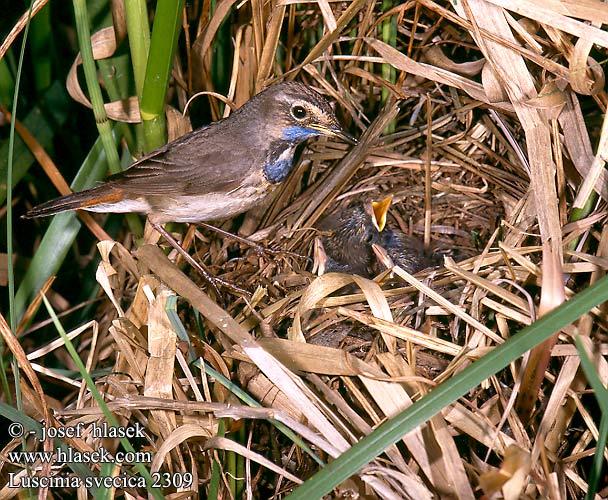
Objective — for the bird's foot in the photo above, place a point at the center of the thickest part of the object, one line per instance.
(260, 250)
(214, 281)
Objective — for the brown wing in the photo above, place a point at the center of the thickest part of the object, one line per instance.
(211, 159)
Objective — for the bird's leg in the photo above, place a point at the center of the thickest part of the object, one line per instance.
(214, 281)
(259, 249)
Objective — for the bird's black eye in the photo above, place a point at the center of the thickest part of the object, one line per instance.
(298, 112)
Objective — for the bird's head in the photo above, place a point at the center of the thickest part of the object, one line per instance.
(296, 112)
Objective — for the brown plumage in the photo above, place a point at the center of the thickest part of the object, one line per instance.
(217, 171)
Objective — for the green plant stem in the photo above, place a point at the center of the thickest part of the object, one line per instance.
(389, 36)
(9, 236)
(231, 469)
(139, 40)
(165, 34)
(104, 127)
(136, 12)
(90, 73)
(214, 483)
(117, 89)
(9, 224)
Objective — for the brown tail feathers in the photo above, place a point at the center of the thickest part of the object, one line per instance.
(73, 201)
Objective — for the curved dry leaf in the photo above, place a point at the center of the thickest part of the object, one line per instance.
(107, 277)
(174, 439)
(178, 124)
(375, 298)
(320, 288)
(491, 84)
(580, 67)
(511, 478)
(549, 13)
(436, 57)
(529, 25)
(551, 100)
(103, 44)
(229, 445)
(106, 247)
(379, 307)
(400, 61)
(299, 356)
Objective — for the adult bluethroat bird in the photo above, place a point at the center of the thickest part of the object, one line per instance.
(218, 171)
(357, 240)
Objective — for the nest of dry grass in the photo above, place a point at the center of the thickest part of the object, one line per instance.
(486, 140)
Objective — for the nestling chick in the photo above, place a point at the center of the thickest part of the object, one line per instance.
(349, 236)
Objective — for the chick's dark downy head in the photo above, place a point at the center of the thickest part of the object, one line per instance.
(352, 237)
(347, 238)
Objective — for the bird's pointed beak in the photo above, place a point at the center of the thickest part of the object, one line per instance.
(335, 130)
(380, 209)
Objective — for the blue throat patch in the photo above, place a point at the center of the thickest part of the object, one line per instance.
(297, 134)
(279, 161)
(277, 171)
(280, 157)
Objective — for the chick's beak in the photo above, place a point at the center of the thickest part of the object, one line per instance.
(380, 210)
